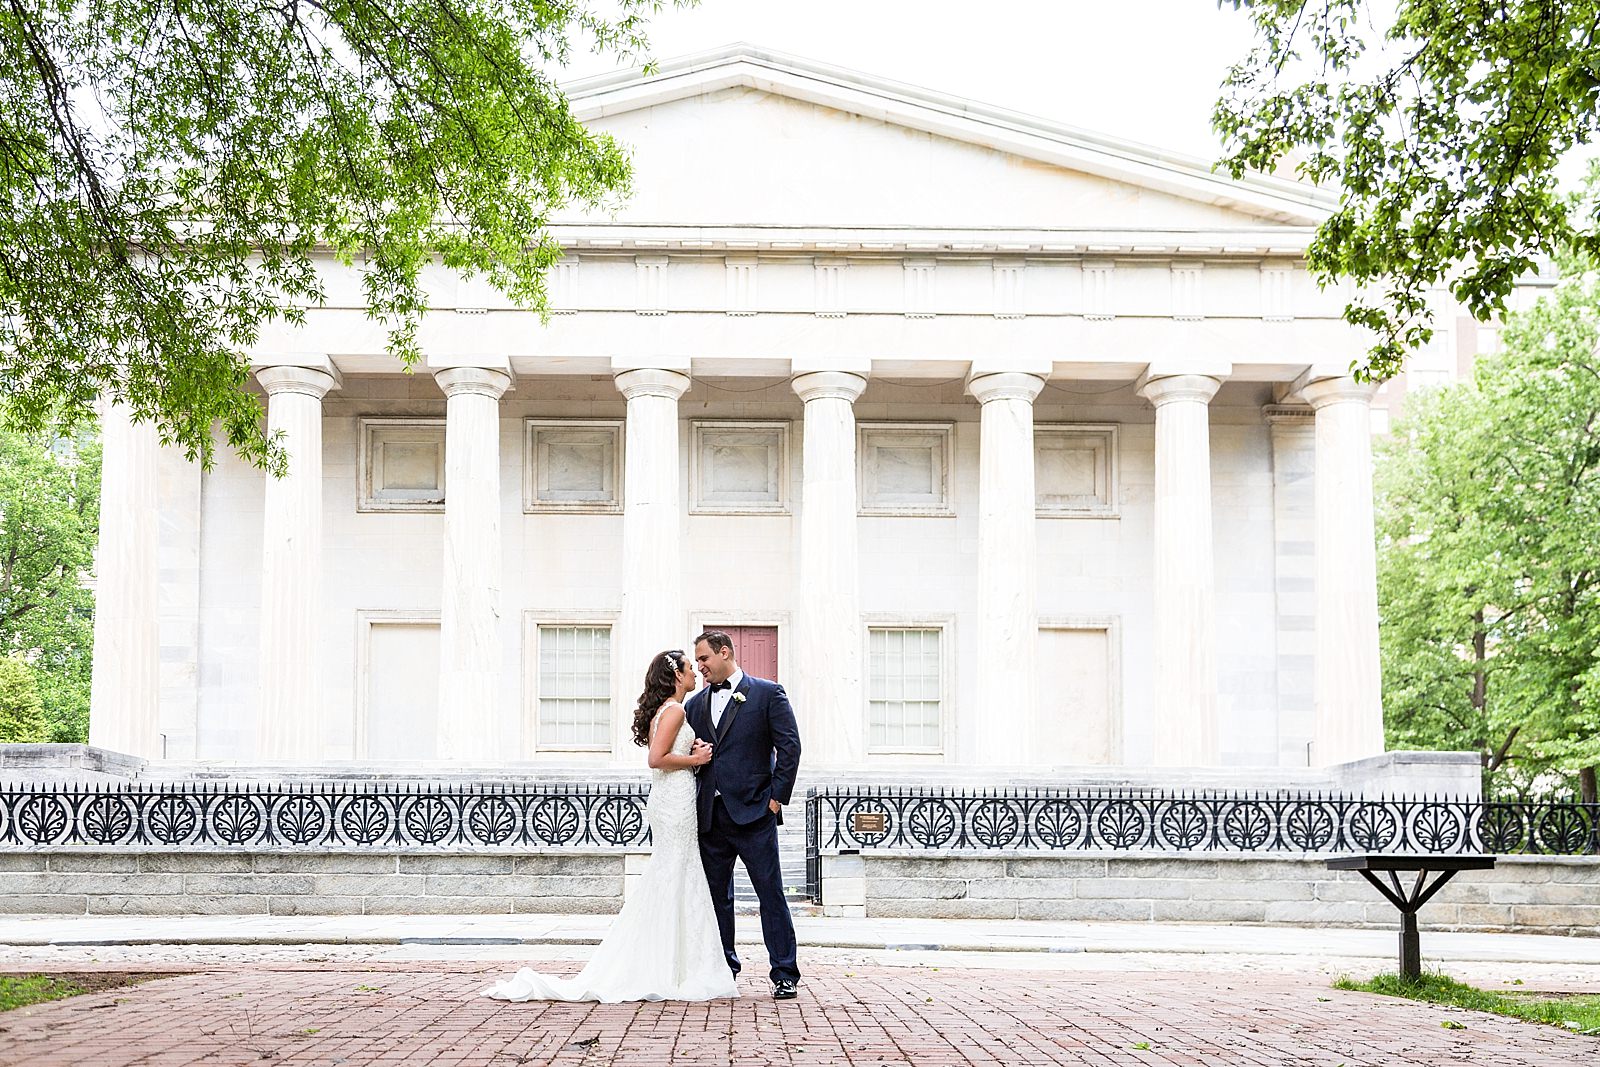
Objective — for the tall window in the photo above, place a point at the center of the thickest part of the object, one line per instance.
(574, 687)
(904, 689)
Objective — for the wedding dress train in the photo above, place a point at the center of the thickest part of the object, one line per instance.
(664, 944)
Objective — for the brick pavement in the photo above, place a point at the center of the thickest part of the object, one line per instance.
(428, 1013)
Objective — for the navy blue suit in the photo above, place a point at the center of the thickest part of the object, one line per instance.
(755, 758)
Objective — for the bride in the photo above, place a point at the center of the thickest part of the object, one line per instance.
(664, 944)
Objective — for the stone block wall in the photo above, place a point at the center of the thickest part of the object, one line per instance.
(1525, 894)
(261, 883)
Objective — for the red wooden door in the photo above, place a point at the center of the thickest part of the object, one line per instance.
(756, 649)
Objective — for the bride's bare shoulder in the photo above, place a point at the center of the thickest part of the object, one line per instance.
(671, 713)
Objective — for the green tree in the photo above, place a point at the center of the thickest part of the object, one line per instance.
(1438, 587)
(1440, 124)
(172, 172)
(1489, 569)
(21, 714)
(49, 519)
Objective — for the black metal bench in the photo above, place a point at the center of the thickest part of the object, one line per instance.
(1421, 891)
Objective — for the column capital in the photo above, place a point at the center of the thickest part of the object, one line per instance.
(1341, 390)
(307, 381)
(652, 382)
(828, 384)
(1005, 385)
(1174, 388)
(473, 381)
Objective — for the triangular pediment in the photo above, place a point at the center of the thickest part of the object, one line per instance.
(746, 138)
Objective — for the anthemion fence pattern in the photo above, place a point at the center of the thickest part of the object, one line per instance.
(324, 816)
(885, 818)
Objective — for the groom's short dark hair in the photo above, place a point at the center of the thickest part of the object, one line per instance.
(716, 640)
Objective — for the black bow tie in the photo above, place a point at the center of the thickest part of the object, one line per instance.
(717, 687)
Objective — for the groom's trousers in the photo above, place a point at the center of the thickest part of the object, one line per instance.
(756, 846)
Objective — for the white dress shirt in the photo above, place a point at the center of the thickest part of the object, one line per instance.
(719, 699)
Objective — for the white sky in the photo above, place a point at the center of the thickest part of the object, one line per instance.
(1146, 70)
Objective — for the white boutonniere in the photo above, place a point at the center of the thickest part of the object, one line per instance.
(738, 698)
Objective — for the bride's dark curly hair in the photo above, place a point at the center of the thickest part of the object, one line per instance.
(660, 683)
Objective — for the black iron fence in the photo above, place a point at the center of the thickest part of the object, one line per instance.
(333, 816)
(870, 818)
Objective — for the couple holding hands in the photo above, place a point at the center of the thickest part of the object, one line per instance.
(723, 763)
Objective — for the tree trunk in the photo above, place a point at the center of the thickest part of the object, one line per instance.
(1498, 757)
(1587, 791)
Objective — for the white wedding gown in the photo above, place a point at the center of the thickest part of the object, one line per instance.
(664, 944)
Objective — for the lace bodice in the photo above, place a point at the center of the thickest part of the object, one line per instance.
(680, 747)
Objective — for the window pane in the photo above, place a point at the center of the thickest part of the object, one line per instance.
(574, 686)
(904, 679)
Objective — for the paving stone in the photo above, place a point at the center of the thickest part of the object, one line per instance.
(425, 1014)
(1223, 911)
(1057, 868)
(918, 888)
(1318, 912)
(566, 905)
(553, 864)
(1131, 888)
(177, 904)
(1186, 868)
(140, 884)
(43, 904)
(323, 863)
(525, 885)
(455, 864)
(73, 862)
(367, 885)
(473, 905)
(317, 904)
(934, 867)
(940, 909)
(247, 883)
(196, 863)
(1092, 910)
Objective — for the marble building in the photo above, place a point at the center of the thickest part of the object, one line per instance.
(1002, 444)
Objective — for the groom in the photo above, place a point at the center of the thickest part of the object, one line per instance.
(751, 728)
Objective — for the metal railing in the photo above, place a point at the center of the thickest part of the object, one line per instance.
(1048, 820)
(324, 816)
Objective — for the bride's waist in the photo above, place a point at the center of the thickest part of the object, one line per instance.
(673, 777)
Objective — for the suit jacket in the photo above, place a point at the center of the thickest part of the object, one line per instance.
(756, 751)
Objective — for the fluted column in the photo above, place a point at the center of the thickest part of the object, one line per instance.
(469, 615)
(652, 562)
(125, 686)
(1008, 618)
(1184, 573)
(828, 627)
(1347, 689)
(291, 714)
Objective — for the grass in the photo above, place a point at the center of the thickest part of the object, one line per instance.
(18, 991)
(22, 990)
(1577, 1013)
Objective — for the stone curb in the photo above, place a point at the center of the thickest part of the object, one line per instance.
(864, 944)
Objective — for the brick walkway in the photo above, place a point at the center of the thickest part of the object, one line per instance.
(871, 1017)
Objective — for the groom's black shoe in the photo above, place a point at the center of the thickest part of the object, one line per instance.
(783, 990)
